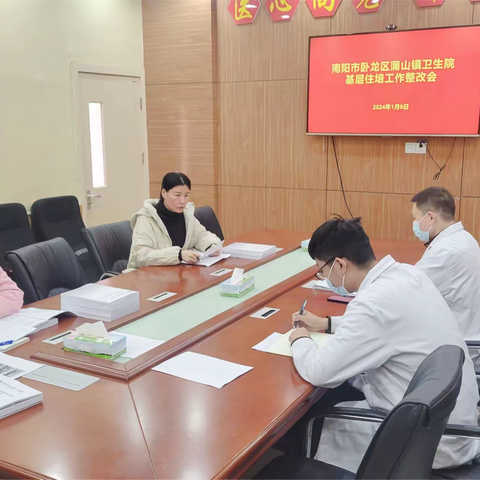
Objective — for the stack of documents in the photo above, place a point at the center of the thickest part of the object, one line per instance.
(251, 251)
(15, 397)
(99, 302)
(35, 318)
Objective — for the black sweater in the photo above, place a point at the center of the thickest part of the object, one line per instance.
(174, 223)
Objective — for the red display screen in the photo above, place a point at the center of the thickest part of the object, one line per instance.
(420, 82)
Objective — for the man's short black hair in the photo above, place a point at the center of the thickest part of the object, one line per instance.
(340, 238)
(436, 199)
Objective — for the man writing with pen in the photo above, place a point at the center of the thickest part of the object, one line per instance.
(396, 320)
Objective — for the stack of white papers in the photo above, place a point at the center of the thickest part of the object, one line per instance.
(15, 397)
(202, 369)
(99, 302)
(251, 251)
(36, 318)
(282, 344)
(14, 367)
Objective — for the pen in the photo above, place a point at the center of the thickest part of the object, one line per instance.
(300, 313)
(2, 344)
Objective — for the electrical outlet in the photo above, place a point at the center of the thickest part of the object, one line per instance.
(410, 147)
(421, 147)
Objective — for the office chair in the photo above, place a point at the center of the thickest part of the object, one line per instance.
(109, 246)
(206, 216)
(46, 269)
(15, 230)
(404, 445)
(60, 217)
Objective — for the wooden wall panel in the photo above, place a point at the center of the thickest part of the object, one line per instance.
(373, 164)
(265, 50)
(177, 41)
(383, 215)
(471, 168)
(242, 133)
(181, 131)
(201, 194)
(293, 159)
(404, 14)
(476, 14)
(470, 215)
(243, 209)
(263, 140)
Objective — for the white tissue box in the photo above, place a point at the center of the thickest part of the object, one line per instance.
(304, 245)
(109, 348)
(239, 289)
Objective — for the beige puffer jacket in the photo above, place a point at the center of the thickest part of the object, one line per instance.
(151, 243)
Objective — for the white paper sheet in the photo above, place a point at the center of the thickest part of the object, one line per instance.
(161, 296)
(266, 312)
(11, 331)
(264, 345)
(317, 285)
(16, 395)
(137, 346)
(209, 261)
(202, 369)
(282, 345)
(14, 367)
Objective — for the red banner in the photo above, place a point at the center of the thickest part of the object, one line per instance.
(323, 8)
(367, 6)
(282, 10)
(244, 11)
(429, 3)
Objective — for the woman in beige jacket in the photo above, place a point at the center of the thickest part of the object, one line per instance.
(165, 231)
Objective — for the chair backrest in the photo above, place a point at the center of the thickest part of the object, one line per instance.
(58, 217)
(206, 216)
(405, 444)
(15, 230)
(46, 269)
(109, 246)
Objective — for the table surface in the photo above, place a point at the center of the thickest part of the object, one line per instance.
(158, 426)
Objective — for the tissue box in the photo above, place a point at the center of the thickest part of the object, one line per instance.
(304, 245)
(237, 290)
(109, 348)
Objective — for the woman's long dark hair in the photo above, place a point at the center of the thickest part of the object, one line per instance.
(174, 179)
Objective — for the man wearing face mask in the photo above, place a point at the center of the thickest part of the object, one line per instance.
(396, 320)
(452, 259)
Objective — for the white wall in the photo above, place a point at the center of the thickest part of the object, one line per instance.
(38, 40)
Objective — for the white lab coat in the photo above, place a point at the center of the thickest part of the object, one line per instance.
(397, 318)
(452, 261)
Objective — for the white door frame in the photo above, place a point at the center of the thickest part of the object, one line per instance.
(75, 70)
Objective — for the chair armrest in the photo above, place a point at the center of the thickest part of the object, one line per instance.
(465, 431)
(473, 343)
(108, 275)
(343, 413)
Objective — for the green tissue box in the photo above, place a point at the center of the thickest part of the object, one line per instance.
(239, 289)
(108, 348)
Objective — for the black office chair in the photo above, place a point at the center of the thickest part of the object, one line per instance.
(46, 269)
(60, 217)
(206, 216)
(15, 230)
(404, 446)
(109, 246)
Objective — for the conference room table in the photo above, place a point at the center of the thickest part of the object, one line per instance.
(146, 424)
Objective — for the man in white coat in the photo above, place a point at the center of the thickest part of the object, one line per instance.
(452, 259)
(396, 320)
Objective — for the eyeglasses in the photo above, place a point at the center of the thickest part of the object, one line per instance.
(319, 275)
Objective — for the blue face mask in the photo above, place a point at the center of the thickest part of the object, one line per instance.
(338, 290)
(423, 236)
